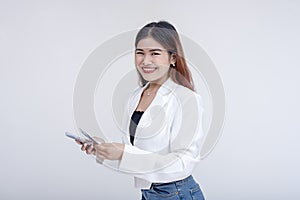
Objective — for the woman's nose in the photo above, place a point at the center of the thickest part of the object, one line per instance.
(147, 60)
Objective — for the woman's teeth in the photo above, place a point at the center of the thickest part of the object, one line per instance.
(149, 69)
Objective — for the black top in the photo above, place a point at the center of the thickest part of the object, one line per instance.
(135, 118)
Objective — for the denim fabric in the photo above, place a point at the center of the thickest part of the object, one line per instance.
(186, 189)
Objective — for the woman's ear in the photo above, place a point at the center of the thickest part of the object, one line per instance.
(173, 58)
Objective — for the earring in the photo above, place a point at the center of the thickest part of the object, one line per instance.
(173, 65)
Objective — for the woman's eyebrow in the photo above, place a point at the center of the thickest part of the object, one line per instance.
(150, 50)
(155, 50)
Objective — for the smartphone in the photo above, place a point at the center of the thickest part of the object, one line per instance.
(76, 137)
(88, 136)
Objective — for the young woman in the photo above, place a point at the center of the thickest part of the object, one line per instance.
(163, 119)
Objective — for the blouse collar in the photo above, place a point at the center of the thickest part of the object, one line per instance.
(167, 87)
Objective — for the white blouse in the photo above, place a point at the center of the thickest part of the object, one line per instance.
(168, 137)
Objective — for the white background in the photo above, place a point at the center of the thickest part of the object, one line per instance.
(254, 44)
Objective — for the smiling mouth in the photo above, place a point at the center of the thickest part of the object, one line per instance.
(148, 70)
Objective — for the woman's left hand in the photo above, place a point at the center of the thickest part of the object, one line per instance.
(109, 151)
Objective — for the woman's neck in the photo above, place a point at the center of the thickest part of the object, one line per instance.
(154, 85)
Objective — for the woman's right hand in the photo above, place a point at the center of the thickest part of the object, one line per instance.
(86, 146)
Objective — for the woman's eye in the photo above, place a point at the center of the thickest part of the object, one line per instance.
(156, 54)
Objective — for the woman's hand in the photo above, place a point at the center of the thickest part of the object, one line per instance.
(109, 151)
(86, 146)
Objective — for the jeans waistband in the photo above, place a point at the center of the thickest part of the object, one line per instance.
(179, 182)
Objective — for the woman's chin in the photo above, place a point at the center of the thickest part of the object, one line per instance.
(149, 77)
(159, 80)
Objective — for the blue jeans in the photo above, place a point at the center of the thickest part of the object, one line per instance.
(185, 189)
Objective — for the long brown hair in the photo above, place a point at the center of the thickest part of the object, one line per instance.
(165, 34)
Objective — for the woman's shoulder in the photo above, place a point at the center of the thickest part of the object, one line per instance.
(185, 93)
(184, 96)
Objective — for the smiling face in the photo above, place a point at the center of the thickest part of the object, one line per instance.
(152, 60)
